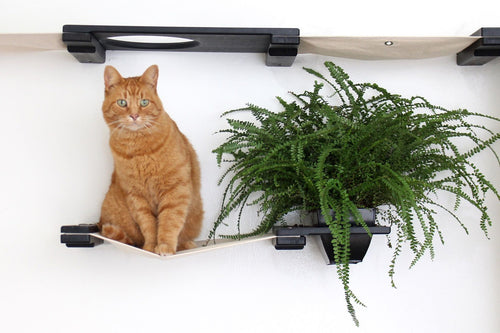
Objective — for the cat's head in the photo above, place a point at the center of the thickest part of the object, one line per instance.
(131, 104)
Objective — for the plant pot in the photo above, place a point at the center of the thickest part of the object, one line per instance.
(368, 215)
(359, 240)
(293, 237)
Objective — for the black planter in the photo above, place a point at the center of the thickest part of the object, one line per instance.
(368, 214)
(293, 238)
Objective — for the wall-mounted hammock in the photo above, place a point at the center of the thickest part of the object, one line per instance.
(87, 235)
(89, 43)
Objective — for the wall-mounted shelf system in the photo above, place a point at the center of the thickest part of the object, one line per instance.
(285, 238)
(88, 43)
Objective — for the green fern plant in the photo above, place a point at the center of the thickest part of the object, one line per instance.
(358, 146)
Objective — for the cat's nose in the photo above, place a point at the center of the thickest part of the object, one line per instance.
(134, 116)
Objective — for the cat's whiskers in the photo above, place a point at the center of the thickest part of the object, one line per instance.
(155, 122)
(150, 123)
(118, 123)
(114, 122)
(118, 128)
(148, 127)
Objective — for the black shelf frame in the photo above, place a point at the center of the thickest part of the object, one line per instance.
(483, 50)
(89, 43)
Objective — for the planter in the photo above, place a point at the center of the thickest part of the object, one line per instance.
(293, 238)
(369, 215)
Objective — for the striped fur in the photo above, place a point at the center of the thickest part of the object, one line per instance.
(154, 199)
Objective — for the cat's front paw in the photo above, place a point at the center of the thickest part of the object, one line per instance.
(149, 247)
(164, 249)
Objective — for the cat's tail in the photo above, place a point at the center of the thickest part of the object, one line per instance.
(115, 232)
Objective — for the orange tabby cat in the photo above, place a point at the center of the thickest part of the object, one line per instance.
(154, 199)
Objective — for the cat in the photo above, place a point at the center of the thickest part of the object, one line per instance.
(154, 199)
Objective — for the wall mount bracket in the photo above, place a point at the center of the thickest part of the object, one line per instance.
(80, 235)
(483, 50)
(89, 43)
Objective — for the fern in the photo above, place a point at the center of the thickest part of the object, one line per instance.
(361, 146)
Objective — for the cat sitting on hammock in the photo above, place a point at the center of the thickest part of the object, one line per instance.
(154, 199)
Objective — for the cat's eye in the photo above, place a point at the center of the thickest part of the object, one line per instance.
(144, 102)
(122, 103)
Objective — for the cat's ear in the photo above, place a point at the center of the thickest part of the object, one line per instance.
(111, 77)
(150, 76)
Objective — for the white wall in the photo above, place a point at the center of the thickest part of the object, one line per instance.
(56, 167)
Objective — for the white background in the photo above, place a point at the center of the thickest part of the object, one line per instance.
(56, 168)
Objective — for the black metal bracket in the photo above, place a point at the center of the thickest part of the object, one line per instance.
(293, 238)
(483, 50)
(80, 235)
(89, 43)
